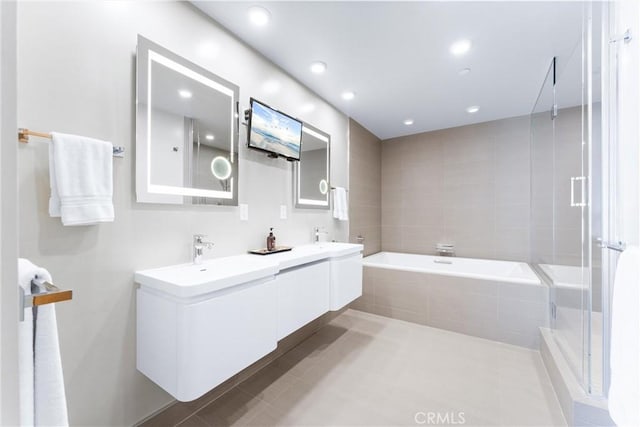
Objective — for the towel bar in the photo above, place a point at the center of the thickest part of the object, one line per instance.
(23, 136)
(616, 246)
(52, 295)
(333, 188)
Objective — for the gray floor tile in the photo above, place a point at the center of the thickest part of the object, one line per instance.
(367, 370)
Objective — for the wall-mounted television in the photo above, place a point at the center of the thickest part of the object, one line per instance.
(274, 132)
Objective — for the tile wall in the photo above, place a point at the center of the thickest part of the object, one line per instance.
(365, 152)
(467, 185)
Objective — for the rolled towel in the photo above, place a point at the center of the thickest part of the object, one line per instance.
(42, 396)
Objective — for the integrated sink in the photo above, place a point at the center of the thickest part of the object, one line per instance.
(188, 280)
(200, 324)
(195, 280)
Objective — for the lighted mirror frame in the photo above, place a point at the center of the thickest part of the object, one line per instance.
(298, 201)
(147, 192)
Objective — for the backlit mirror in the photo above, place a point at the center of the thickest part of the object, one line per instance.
(186, 131)
(311, 173)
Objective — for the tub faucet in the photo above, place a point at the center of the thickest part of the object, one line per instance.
(445, 249)
(199, 246)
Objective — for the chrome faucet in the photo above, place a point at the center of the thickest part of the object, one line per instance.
(320, 235)
(199, 246)
(445, 249)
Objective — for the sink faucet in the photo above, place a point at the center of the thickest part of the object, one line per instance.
(198, 247)
(319, 234)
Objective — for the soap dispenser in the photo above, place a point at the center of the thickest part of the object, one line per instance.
(271, 241)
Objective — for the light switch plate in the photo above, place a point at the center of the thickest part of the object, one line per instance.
(244, 212)
(283, 211)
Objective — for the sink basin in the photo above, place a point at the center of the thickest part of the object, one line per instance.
(188, 280)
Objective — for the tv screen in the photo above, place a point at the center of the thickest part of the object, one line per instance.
(274, 132)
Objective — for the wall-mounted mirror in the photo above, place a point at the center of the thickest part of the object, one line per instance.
(311, 173)
(186, 131)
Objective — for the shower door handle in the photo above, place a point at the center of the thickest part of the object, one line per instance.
(582, 202)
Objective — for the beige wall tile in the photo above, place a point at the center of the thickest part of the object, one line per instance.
(461, 185)
(365, 194)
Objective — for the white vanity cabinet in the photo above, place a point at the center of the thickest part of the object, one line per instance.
(200, 324)
(303, 295)
(189, 347)
(346, 280)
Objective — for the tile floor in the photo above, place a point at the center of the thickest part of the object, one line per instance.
(367, 370)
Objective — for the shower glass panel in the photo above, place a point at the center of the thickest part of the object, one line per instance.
(571, 213)
(557, 193)
(542, 167)
(566, 201)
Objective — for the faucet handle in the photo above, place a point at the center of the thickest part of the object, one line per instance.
(197, 238)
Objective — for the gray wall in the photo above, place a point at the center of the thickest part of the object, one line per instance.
(8, 218)
(364, 181)
(468, 186)
(556, 149)
(76, 74)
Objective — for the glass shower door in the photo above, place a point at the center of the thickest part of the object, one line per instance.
(566, 198)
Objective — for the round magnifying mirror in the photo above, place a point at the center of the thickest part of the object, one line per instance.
(220, 167)
(323, 186)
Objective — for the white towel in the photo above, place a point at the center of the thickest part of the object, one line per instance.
(340, 207)
(42, 396)
(624, 391)
(80, 172)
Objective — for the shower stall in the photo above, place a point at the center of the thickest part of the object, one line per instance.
(567, 204)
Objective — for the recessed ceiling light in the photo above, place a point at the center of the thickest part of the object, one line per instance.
(348, 96)
(408, 122)
(318, 67)
(464, 71)
(259, 16)
(185, 93)
(460, 47)
(210, 137)
(473, 109)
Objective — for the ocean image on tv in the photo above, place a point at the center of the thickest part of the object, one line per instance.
(275, 132)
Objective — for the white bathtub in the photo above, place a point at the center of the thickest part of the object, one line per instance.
(565, 276)
(497, 300)
(503, 271)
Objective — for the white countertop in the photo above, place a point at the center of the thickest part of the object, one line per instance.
(190, 280)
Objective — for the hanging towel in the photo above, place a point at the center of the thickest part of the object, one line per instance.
(42, 397)
(80, 172)
(624, 391)
(340, 207)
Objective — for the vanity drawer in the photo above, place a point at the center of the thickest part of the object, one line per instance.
(303, 295)
(190, 348)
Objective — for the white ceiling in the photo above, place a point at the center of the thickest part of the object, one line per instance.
(395, 55)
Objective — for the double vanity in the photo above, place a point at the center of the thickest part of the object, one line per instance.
(199, 325)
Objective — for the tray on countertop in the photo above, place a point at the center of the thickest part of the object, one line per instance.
(265, 251)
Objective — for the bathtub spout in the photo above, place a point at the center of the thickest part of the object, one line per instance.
(445, 249)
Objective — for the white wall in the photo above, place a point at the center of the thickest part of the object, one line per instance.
(76, 68)
(627, 16)
(8, 219)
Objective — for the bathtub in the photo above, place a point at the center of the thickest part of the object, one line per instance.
(498, 300)
(514, 272)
